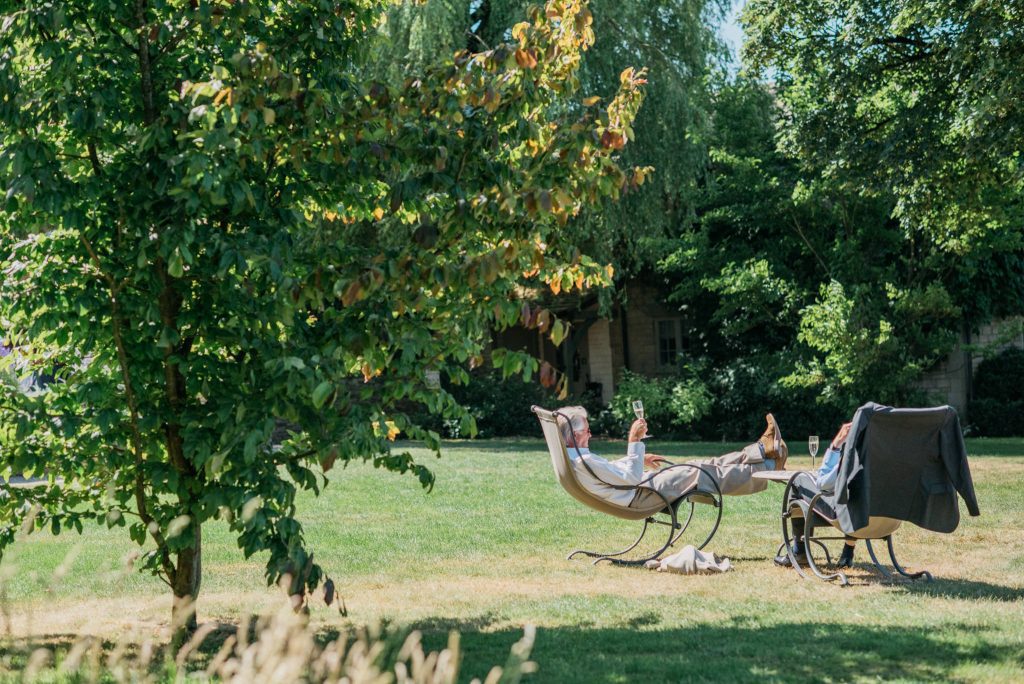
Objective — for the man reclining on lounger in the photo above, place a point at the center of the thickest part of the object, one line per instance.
(733, 472)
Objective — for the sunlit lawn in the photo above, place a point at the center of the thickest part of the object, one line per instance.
(484, 553)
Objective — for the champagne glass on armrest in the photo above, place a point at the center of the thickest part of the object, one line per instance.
(812, 447)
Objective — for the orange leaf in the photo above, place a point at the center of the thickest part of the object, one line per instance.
(352, 294)
(548, 374)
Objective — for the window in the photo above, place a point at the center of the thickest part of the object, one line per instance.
(668, 342)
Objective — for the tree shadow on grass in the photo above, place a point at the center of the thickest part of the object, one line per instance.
(735, 651)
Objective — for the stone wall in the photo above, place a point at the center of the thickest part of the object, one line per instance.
(644, 310)
(948, 383)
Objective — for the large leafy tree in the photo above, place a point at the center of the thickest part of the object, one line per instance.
(797, 290)
(917, 98)
(674, 38)
(898, 194)
(214, 225)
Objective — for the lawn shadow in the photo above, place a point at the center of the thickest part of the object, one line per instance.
(734, 651)
(964, 589)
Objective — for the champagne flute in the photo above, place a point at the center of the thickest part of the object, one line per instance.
(638, 410)
(812, 447)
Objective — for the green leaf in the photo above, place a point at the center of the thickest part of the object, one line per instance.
(174, 265)
(251, 443)
(558, 332)
(320, 394)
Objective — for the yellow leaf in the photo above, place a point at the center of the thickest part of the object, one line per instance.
(392, 430)
(563, 393)
(378, 213)
(556, 284)
(591, 101)
(269, 116)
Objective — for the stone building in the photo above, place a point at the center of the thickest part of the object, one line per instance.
(644, 336)
(950, 382)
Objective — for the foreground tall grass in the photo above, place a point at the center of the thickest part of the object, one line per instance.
(484, 555)
(277, 648)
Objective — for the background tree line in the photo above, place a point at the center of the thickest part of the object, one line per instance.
(830, 220)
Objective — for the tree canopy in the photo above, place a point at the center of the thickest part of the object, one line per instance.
(920, 99)
(214, 225)
(675, 39)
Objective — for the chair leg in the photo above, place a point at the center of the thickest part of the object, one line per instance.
(611, 558)
(821, 545)
(809, 538)
(595, 554)
(874, 559)
(912, 575)
(683, 526)
(714, 529)
(787, 542)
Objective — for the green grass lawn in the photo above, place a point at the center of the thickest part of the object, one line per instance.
(484, 553)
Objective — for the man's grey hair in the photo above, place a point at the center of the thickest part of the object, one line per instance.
(577, 417)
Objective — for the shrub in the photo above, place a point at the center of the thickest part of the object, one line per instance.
(501, 406)
(744, 390)
(997, 409)
(996, 418)
(1001, 377)
(672, 405)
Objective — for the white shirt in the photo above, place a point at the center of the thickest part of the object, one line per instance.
(625, 471)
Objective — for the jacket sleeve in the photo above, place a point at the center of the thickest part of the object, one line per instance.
(954, 458)
(624, 471)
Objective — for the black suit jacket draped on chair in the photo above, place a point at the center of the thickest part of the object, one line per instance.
(906, 464)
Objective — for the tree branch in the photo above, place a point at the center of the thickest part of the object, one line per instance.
(145, 68)
(94, 159)
(654, 48)
(133, 412)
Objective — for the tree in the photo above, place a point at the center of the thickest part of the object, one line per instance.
(909, 105)
(674, 38)
(797, 293)
(212, 224)
(918, 99)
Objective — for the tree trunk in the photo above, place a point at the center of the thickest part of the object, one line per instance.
(187, 579)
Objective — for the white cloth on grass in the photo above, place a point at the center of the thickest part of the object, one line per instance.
(690, 561)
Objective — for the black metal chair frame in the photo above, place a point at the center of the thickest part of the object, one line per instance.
(811, 514)
(671, 509)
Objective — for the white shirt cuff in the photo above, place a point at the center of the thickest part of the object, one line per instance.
(636, 449)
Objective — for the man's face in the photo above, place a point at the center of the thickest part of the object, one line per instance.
(583, 435)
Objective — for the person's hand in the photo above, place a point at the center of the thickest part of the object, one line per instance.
(841, 436)
(653, 461)
(637, 430)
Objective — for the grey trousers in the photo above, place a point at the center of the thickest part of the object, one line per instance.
(733, 472)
